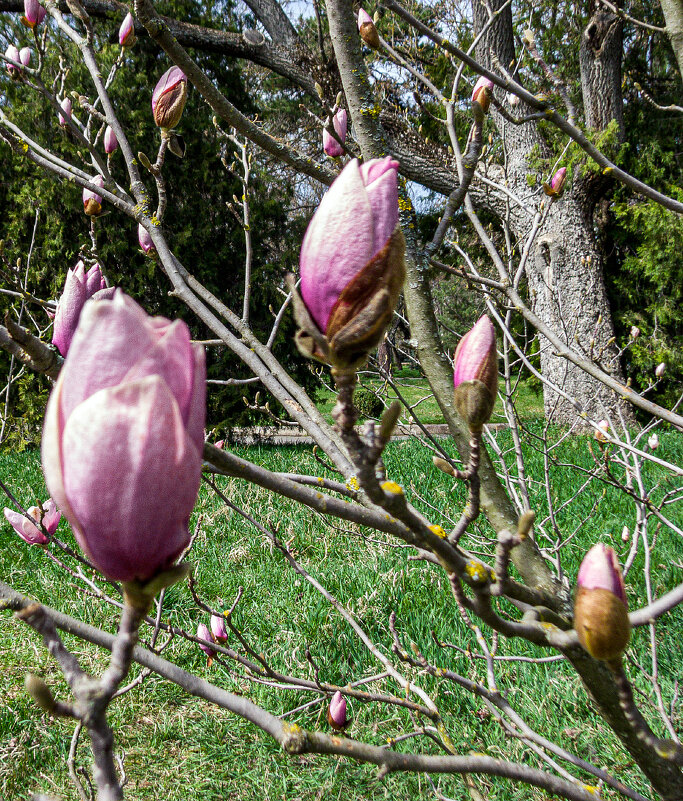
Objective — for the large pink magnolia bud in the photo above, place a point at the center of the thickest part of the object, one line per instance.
(79, 287)
(25, 56)
(482, 92)
(28, 527)
(34, 13)
(330, 144)
(352, 266)
(67, 108)
(336, 712)
(123, 437)
(92, 201)
(168, 99)
(367, 29)
(110, 141)
(600, 608)
(127, 36)
(475, 374)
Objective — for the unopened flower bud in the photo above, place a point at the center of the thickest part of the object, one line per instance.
(12, 53)
(34, 13)
(67, 107)
(330, 144)
(92, 201)
(110, 141)
(602, 429)
(78, 288)
(127, 36)
(169, 97)
(218, 628)
(352, 266)
(660, 370)
(600, 608)
(475, 374)
(635, 332)
(203, 633)
(512, 99)
(556, 186)
(482, 93)
(27, 526)
(145, 239)
(367, 29)
(653, 441)
(336, 712)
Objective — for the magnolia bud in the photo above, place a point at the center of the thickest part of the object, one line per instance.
(512, 99)
(67, 107)
(482, 93)
(368, 31)
(169, 97)
(653, 441)
(203, 633)
(34, 13)
(12, 53)
(92, 202)
(556, 186)
(635, 332)
(127, 36)
(602, 429)
(330, 145)
(336, 712)
(475, 374)
(600, 608)
(145, 239)
(110, 141)
(218, 628)
(660, 370)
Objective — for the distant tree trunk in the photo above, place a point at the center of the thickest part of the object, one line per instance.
(564, 271)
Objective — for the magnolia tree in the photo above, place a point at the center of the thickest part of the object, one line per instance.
(124, 445)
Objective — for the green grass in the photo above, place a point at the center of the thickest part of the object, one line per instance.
(177, 747)
(416, 392)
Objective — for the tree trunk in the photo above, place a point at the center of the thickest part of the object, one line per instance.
(564, 269)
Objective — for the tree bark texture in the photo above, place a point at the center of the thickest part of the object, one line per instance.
(564, 271)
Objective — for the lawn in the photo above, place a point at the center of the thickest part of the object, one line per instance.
(176, 747)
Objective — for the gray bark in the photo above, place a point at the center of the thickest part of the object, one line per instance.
(564, 271)
(673, 16)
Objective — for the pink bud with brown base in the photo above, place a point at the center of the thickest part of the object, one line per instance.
(600, 607)
(78, 288)
(556, 187)
(169, 98)
(67, 108)
(218, 629)
(111, 143)
(92, 201)
(34, 13)
(482, 93)
(203, 633)
(336, 712)
(475, 374)
(340, 124)
(352, 267)
(367, 29)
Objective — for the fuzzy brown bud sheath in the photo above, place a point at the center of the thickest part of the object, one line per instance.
(367, 29)
(169, 97)
(600, 608)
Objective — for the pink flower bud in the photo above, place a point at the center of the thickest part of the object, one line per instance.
(203, 633)
(660, 370)
(79, 287)
(330, 144)
(67, 107)
(367, 29)
(653, 442)
(482, 92)
(28, 527)
(34, 13)
(25, 56)
(169, 97)
(600, 609)
(145, 239)
(110, 141)
(220, 444)
(635, 332)
(475, 373)
(558, 180)
(92, 202)
(602, 429)
(13, 53)
(51, 516)
(127, 36)
(218, 628)
(336, 712)
(123, 436)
